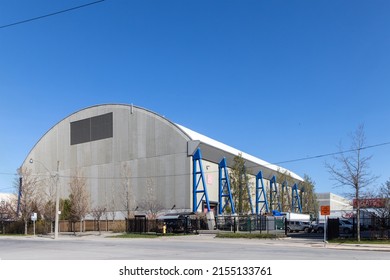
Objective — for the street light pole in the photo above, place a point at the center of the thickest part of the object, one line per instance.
(57, 209)
(57, 206)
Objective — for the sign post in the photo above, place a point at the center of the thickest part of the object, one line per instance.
(34, 218)
(325, 211)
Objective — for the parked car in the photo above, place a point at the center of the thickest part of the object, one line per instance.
(298, 226)
(318, 227)
(345, 227)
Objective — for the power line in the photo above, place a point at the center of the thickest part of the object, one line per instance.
(5, 188)
(333, 154)
(8, 174)
(51, 14)
(207, 172)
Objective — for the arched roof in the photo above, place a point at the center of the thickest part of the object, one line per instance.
(212, 150)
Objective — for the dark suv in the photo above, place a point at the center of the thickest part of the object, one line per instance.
(345, 227)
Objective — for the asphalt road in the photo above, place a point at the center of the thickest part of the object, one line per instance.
(200, 247)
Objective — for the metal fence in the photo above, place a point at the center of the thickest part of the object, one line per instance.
(371, 228)
(186, 225)
(250, 223)
(247, 223)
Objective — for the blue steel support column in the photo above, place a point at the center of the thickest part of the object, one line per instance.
(274, 195)
(198, 179)
(296, 201)
(225, 194)
(261, 194)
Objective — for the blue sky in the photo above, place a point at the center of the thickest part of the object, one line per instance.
(280, 80)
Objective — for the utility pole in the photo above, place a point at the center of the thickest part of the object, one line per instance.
(56, 222)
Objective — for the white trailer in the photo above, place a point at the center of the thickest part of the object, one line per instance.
(297, 222)
(290, 216)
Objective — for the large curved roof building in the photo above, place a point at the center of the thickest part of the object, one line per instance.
(129, 155)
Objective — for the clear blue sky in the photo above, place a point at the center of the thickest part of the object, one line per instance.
(280, 80)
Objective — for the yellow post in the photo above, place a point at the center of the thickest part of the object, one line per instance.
(164, 228)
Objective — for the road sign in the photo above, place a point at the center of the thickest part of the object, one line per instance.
(325, 210)
(34, 217)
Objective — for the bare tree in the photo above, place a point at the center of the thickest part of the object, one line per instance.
(7, 213)
(110, 205)
(352, 170)
(150, 202)
(79, 199)
(28, 195)
(97, 213)
(383, 194)
(126, 192)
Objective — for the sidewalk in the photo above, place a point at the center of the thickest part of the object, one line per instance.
(340, 246)
(62, 235)
(362, 246)
(210, 237)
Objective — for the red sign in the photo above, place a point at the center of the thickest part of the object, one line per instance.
(370, 203)
(325, 210)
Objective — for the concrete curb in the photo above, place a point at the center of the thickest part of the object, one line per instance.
(362, 247)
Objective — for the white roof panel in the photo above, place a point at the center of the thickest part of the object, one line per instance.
(214, 143)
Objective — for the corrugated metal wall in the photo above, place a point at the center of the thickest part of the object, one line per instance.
(146, 148)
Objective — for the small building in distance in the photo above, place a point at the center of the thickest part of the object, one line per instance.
(340, 207)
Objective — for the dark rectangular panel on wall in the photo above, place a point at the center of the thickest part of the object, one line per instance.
(80, 131)
(91, 129)
(101, 127)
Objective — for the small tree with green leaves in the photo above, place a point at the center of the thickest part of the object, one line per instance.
(285, 185)
(238, 185)
(308, 196)
(65, 206)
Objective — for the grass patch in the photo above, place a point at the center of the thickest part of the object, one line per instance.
(148, 235)
(363, 241)
(136, 235)
(15, 234)
(248, 235)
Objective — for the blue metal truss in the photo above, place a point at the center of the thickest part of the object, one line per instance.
(261, 195)
(199, 183)
(296, 202)
(274, 195)
(225, 194)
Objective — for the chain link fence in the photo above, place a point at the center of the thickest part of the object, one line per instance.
(194, 224)
(250, 223)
